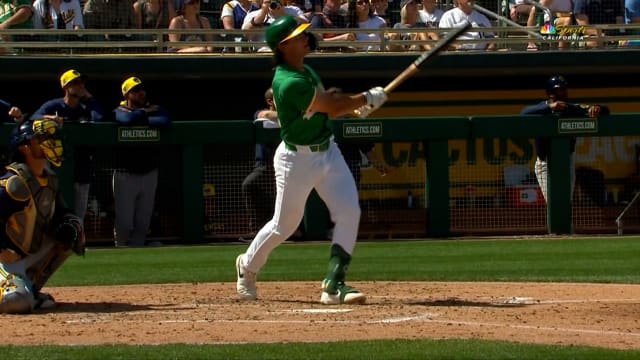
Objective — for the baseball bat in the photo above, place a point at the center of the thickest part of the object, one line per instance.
(443, 43)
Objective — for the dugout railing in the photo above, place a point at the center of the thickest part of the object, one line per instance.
(204, 163)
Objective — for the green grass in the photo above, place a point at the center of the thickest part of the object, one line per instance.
(611, 260)
(369, 350)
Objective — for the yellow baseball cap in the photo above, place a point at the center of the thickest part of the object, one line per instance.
(129, 84)
(69, 76)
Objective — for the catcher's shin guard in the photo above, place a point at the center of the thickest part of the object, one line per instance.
(42, 270)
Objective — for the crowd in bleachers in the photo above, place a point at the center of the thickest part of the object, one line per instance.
(181, 22)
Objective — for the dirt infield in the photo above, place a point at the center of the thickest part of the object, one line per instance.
(603, 315)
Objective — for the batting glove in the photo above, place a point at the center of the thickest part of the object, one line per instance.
(375, 97)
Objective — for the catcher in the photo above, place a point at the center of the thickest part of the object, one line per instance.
(40, 232)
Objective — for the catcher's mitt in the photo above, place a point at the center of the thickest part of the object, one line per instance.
(70, 232)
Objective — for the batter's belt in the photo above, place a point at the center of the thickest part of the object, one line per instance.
(324, 146)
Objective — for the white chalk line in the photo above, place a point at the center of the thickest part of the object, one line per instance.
(400, 319)
(426, 317)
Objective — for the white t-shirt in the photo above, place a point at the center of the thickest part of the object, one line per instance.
(456, 18)
(70, 12)
(430, 20)
(373, 22)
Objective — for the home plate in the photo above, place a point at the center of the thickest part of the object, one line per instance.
(320, 311)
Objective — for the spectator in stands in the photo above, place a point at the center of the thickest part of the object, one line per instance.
(268, 12)
(557, 103)
(189, 18)
(258, 187)
(305, 6)
(109, 14)
(631, 16)
(380, 8)
(465, 12)
(333, 15)
(135, 177)
(16, 14)
(57, 14)
(366, 19)
(76, 106)
(518, 10)
(233, 13)
(152, 14)
(232, 16)
(631, 11)
(591, 12)
(562, 13)
(9, 113)
(412, 18)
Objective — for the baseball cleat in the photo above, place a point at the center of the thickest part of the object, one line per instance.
(44, 301)
(246, 284)
(343, 294)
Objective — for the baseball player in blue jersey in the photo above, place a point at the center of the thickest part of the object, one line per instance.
(135, 178)
(76, 106)
(307, 159)
(558, 103)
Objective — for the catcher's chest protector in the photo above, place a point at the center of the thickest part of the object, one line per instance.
(26, 228)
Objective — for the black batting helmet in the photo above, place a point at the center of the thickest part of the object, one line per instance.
(556, 81)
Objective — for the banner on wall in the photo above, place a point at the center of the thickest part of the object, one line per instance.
(484, 165)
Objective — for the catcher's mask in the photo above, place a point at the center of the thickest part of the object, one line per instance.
(47, 134)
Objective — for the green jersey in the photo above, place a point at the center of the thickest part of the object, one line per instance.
(8, 8)
(293, 92)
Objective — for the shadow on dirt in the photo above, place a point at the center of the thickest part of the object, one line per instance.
(464, 302)
(107, 307)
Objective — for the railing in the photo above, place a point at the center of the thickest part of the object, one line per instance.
(116, 41)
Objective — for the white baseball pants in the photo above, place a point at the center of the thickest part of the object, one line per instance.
(297, 173)
(541, 170)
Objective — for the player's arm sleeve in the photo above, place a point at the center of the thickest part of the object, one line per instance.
(95, 109)
(127, 116)
(537, 109)
(42, 110)
(159, 118)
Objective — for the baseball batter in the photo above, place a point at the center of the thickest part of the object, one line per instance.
(307, 159)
